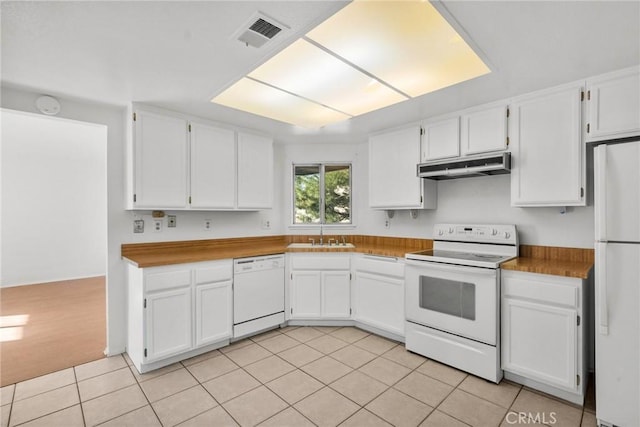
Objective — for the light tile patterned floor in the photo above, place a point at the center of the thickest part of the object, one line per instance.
(295, 376)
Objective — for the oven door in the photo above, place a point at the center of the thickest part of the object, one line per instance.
(457, 299)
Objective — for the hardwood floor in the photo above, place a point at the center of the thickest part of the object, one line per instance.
(51, 326)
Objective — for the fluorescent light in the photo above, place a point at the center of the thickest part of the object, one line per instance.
(310, 72)
(263, 100)
(407, 44)
(369, 55)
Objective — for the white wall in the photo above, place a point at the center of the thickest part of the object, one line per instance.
(481, 200)
(120, 221)
(54, 199)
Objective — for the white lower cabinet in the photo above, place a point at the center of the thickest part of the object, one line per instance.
(168, 328)
(213, 313)
(542, 333)
(379, 293)
(319, 286)
(177, 312)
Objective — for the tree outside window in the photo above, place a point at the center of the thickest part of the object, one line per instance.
(322, 194)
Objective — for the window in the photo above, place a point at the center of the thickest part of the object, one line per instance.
(322, 194)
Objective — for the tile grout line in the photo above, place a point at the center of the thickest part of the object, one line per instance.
(13, 396)
(400, 391)
(42, 392)
(298, 368)
(131, 368)
(207, 391)
(84, 421)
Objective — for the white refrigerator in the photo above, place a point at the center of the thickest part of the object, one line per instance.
(617, 293)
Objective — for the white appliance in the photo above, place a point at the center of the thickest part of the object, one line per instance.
(258, 294)
(617, 296)
(452, 297)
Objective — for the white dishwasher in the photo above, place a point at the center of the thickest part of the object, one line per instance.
(258, 294)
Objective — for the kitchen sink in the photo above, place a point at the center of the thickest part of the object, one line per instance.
(319, 246)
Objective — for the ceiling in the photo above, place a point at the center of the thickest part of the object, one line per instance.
(178, 55)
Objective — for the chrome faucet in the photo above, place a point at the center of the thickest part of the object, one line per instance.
(321, 235)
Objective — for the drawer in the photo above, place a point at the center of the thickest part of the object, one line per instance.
(538, 287)
(215, 273)
(320, 263)
(380, 265)
(167, 280)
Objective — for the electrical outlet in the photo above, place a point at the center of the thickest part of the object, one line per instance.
(208, 225)
(171, 221)
(266, 224)
(138, 226)
(157, 225)
(387, 223)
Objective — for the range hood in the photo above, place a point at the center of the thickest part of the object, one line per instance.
(492, 164)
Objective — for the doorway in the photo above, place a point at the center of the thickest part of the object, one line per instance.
(54, 244)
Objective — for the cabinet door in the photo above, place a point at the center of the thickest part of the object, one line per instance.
(255, 172)
(168, 323)
(484, 131)
(336, 294)
(393, 181)
(213, 167)
(547, 152)
(441, 139)
(613, 103)
(379, 301)
(540, 342)
(213, 312)
(161, 152)
(306, 297)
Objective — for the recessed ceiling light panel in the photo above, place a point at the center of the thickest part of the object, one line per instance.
(310, 72)
(407, 44)
(263, 100)
(369, 55)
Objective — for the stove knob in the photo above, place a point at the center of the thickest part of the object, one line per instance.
(451, 230)
(494, 231)
(440, 232)
(507, 234)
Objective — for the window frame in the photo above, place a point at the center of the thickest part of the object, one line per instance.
(321, 187)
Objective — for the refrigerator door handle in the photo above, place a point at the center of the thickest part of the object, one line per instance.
(603, 310)
(600, 181)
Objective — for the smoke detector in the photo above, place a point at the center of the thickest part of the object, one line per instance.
(258, 30)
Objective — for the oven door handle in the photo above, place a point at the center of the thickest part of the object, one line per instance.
(450, 267)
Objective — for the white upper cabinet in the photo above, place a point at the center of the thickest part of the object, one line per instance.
(441, 139)
(547, 150)
(474, 131)
(177, 163)
(160, 161)
(393, 179)
(613, 105)
(483, 130)
(213, 167)
(255, 171)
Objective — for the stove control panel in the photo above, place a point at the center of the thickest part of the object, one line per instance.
(478, 233)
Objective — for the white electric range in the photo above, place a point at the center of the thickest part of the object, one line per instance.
(452, 298)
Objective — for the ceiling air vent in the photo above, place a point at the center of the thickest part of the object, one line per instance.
(259, 30)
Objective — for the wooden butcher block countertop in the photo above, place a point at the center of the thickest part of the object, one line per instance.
(557, 261)
(167, 253)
